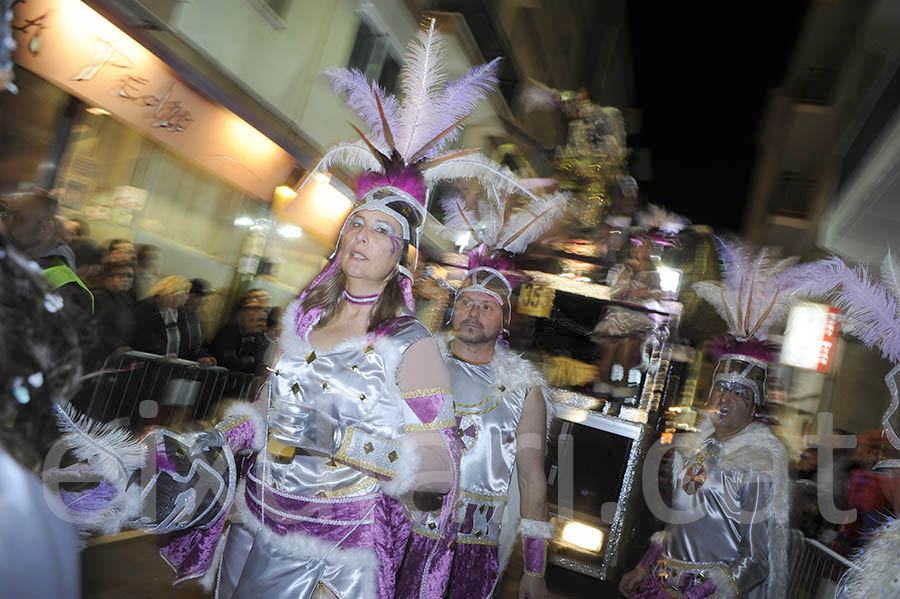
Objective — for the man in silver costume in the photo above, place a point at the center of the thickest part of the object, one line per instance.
(502, 414)
(726, 534)
(730, 503)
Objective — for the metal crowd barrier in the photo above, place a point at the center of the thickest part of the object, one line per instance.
(815, 570)
(138, 390)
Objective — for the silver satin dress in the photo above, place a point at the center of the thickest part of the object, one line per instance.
(725, 528)
(356, 383)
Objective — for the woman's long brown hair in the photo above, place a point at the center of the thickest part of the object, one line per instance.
(328, 295)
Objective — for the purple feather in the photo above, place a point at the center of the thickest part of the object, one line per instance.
(353, 86)
(406, 178)
(460, 98)
(871, 310)
(752, 348)
(481, 256)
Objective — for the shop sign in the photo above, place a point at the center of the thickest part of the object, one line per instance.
(535, 300)
(74, 47)
(810, 337)
(129, 197)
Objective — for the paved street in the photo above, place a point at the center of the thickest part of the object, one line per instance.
(132, 568)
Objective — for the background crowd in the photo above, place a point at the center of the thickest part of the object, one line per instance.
(123, 300)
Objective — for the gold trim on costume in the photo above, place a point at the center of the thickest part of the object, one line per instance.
(471, 541)
(430, 426)
(426, 392)
(484, 411)
(488, 498)
(342, 456)
(698, 567)
(232, 422)
(365, 483)
(456, 404)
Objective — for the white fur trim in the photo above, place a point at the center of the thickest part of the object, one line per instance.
(875, 574)
(408, 467)
(725, 587)
(658, 537)
(211, 576)
(255, 413)
(302, 547)
(510, 370)
(536, 528)
(755, 449)
(289, 341)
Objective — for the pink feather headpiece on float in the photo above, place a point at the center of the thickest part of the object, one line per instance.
(755, 292)
(404, 155)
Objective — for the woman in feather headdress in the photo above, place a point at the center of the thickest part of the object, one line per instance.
(359, 412)
(727, 537)
(871, 311)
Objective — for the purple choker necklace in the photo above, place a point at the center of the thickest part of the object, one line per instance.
(360, 299)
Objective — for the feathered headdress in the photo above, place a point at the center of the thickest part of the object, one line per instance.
(660, 224)
(407, 138)
(497, 226)
(871, 314)
(497, 231)
(755, 292)
(403, 154)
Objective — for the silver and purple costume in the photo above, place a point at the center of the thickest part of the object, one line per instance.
(309, 525)
(488, 402)
(728, 534)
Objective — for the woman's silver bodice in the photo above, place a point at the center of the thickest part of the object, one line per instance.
(356, 384)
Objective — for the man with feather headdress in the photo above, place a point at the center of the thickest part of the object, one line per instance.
(500, 401)
(726, 535)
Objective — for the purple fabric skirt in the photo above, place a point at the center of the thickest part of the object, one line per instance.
(475, 570)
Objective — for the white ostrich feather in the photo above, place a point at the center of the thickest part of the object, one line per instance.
(531, 221)
(755, 291)
(111, 451)
(422, 80)
(481, 168)
(491, 214)
(354, 156)
(890, 274)
(457, 216)
(875, 574)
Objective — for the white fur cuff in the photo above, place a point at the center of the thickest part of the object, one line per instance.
(238, 409)
(407, 467)
(725, 585)
(658, 537)
(536, 528)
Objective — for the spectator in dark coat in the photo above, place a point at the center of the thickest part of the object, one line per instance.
(34, 230)
(147, 273)
(241, 345)
(156, 318)
(114, 313)
(190, 327)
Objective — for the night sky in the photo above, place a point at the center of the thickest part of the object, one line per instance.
(703, 73)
